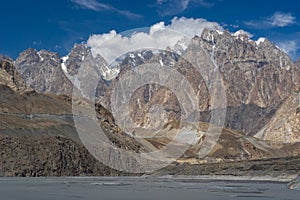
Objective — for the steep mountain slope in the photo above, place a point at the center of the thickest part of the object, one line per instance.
(76, 60)
(257, 78)
(256, 74)
(46, 72)
(38, 136)
(284, 127)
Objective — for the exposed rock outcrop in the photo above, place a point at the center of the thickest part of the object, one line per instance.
(9, 75)
(284, 127)
(257, 78)
(41, 71)
(38, 137)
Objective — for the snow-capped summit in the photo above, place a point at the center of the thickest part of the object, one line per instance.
(77, 58)
(260, 40)
(243, 35)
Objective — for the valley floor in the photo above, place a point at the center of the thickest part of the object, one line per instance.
(141, 188)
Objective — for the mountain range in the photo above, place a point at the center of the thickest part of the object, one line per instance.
(260, 133)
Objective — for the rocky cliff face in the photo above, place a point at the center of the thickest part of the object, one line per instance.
(9, 75)
(253, 72)
(46, 72)
(284, 127)
(73, 61)
(80, 56)
(257, 77)
(42, 72)
(47, 156)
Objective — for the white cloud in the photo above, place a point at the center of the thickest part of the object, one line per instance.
(172, 7)
(291, 47)
(160, 36)
(91, 4)
(97, 6)
(280, 19)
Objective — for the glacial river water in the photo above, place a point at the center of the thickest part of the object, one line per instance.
(131, 188)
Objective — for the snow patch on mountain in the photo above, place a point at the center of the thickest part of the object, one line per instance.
(40, 56)
(220, 32)
(63, 64)
(260, 40)
(242, 35)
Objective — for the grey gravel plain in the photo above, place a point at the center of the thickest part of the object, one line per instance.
(111, 188)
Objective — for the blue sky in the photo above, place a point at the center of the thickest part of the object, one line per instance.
(57, 24)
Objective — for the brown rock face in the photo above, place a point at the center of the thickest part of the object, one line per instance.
(9, 75)
(257, 78)
(47, 156)
(38, 137)
(284, 127)
(254, 73)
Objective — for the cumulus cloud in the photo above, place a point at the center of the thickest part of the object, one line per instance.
(160, 36)
(278, 19)
(97, 6)
(172, 7)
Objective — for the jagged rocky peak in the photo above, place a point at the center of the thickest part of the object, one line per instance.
(32, 56)
(137, 58)
(257, 76)
(45, 72)
(41, 71)
(9, 75)
(81, 56)
(238, 38)
(248, 63)
(166, 57)
(71, 63)
(7, 65)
